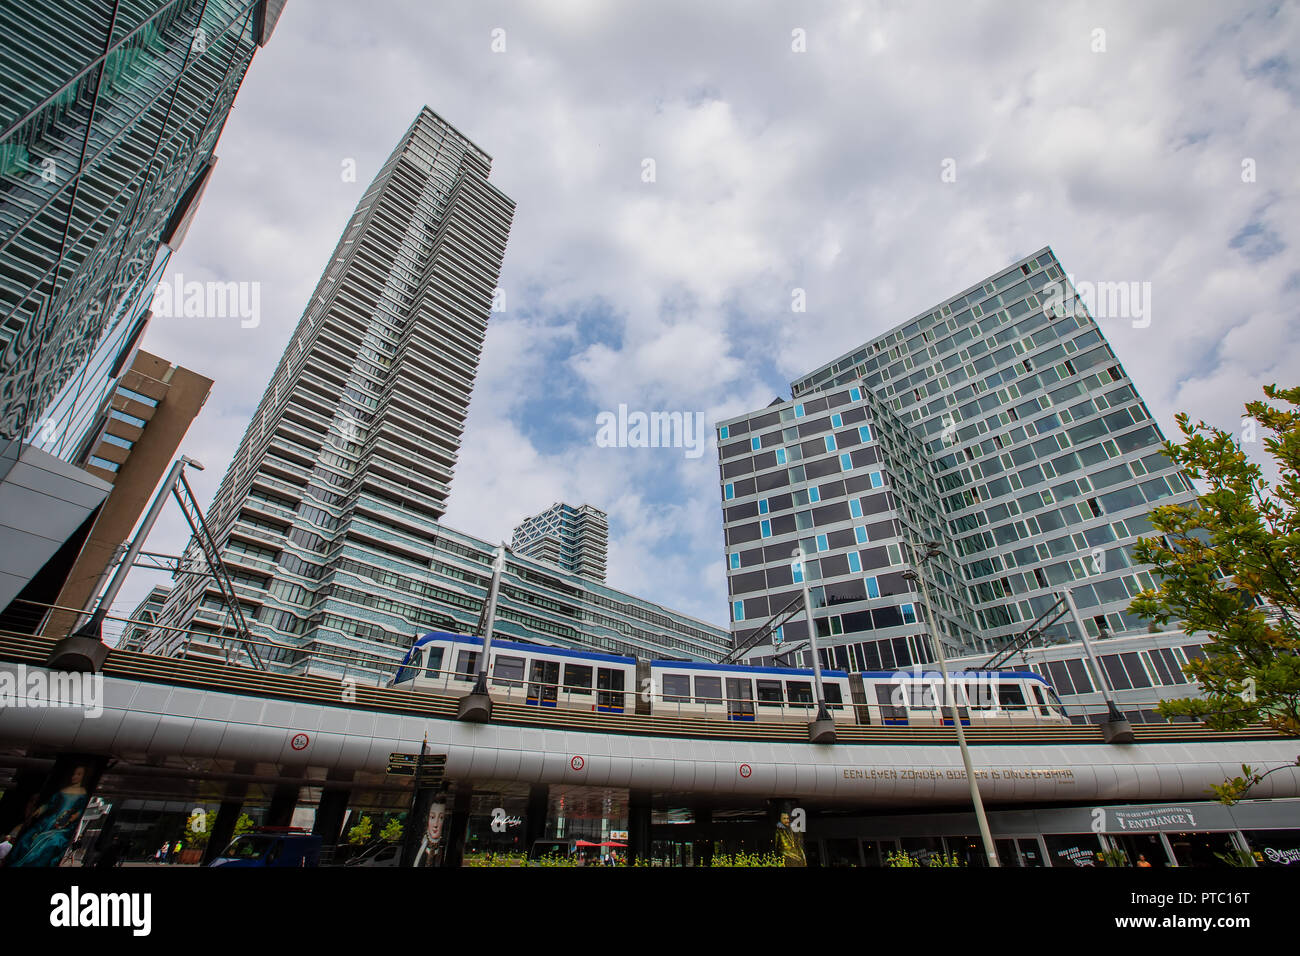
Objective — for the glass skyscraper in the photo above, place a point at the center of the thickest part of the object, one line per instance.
(576, 539)
(328, 517)
(998, 424)
(109, 115)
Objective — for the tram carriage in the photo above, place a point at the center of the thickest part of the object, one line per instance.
(531, 674)
(542, 676)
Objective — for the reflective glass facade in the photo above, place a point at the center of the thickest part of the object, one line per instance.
(109, 116)
(999, 424)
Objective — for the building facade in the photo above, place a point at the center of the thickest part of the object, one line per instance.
(108, 123)
(575, 539)
(998, 424)
(328, 517)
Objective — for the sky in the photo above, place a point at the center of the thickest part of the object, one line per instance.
(873, 158)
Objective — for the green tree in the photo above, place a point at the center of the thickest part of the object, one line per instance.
(359, 835)
(198, 829)
(1229, 564)
(392, 831)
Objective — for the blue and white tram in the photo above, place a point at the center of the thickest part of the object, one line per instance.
(532, 674)
(983, 698)
(746, 693)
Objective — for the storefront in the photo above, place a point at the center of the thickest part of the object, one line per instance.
(1191, 834)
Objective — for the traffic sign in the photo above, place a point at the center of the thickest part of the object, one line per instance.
(431, 766)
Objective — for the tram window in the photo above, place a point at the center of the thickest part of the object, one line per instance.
(799, 691)
(467, 665)
(834, 699)
(577, 679)
(1011, 696)
(769, 693)
(924, 696)
(677, 688)
(508, 671)
(708, 690)
(433, 662)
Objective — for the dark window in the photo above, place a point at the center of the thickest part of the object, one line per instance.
(677, 688)
(508, 671)
(708, 690)
(577, 678)
(467, 664)
(769, 693)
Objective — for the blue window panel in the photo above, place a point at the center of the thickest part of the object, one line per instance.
(798, 411)
(755, 444)
(731, 492)
(735, 561)
(797, 570)
(877, 480)
(836, 421)
(780, 456)
(814, 495)
(780, 635)
(821, 543)
(855, 394)
(855, 564)
(864, 432)
(846, 463)
(909, 613)
(762, 506)
(738, 610)
(873, 588)
(855, 508)
(860, 534)
(830, 442)
(765, 528)
(723, 433)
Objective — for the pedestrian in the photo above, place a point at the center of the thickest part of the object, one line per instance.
(5, 847)
(1142, 861)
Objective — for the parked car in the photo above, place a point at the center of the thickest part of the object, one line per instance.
(268, 846)
(381, 854)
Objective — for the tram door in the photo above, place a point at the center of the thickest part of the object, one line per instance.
(545, 678)
(740, 699)
(609, 690)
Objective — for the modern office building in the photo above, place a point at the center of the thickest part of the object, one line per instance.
(575, 539)
(328, 517)
(998, 424)
(109, 116)
(134, 634)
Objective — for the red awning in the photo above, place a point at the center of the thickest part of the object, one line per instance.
(611, 843)
(586, 843)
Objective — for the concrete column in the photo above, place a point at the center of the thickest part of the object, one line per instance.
(332, 808)
(539, 802)
(232, 805)
(638, 825)
(458, 827)
(283, 801)
(702, 850)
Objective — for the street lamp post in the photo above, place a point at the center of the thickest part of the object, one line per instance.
(1115, 728)
(476, 706)
(822, 729)
(932, 549)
